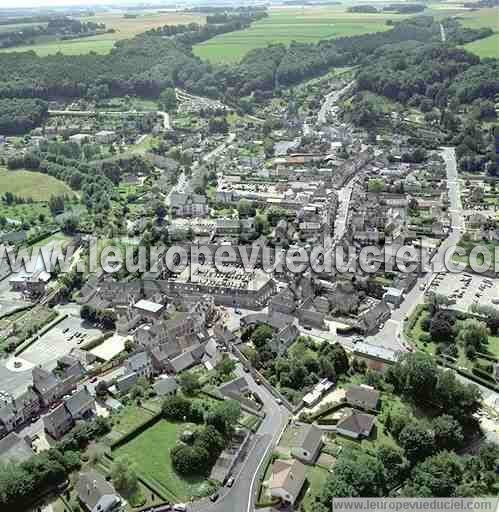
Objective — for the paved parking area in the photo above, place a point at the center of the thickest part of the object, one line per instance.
(9, 300)
(59, 341)
(466, 289)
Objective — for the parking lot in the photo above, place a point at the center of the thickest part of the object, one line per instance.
(464, 290)
(59, 341)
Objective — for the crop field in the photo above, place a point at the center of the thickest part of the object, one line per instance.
(34, 185)
(306, 25)
(488, 47)
(125, 28)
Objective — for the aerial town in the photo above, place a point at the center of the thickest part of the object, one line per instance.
(206, 382)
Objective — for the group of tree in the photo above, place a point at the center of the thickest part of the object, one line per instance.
(418, 378)
(196, 454)
(21, 484)
(106, 317)
(379, 471)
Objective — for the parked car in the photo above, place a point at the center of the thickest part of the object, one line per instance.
(230, 482)
(180, 507)
(214, 497)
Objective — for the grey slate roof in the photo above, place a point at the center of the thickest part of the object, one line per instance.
(357, 423)
(369, 397)
(309, 438)
(93, 490)
(14, 448)
(79, 402)
(165, 386)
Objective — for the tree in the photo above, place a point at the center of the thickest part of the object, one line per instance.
(473, 333)
(395, 463)
(124, 476)
(417, 441)
(176, 408)
(225, 367)
(356, 474)
(442, 327)
(190, 460)
(245, 209)
(101, 389)
(224, 416)
(189, 382)
(448, 432)
(261, 335)
(168, 99)
(70, 225)
(440, 474)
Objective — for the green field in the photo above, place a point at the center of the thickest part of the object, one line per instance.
(125, 28)
(488, 47)
(151, 452)
(306, 25)
(35, 185)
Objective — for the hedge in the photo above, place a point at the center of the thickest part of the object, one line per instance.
(469, 375)
(26, 344)
(137, 431)
(96, 341)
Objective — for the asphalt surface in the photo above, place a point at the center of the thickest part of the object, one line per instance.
(390, 336)
(241, 497)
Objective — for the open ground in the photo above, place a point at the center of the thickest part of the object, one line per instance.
(306, 25)
(124, 28)
(34, 185)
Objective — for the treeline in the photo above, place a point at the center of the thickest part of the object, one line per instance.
(405, 8)
(60, 26)
(20, 115)
(368, 9)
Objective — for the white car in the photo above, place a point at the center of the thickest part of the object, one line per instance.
(180, 507)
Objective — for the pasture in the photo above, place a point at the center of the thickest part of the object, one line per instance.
(124, 28)
(34, 185)
(306, 25)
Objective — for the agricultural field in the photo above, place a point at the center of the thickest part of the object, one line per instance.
(306, 25)
(34, 185)
(125, 28)
(488, 47)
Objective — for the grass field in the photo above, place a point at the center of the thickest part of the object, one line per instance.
(151, 452)
(488, 47)
(125, 28)
(306, 25)
(35, 185)
(129, 418)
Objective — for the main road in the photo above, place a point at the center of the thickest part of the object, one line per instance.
(330, 100)
(390, 335)
(241, 497)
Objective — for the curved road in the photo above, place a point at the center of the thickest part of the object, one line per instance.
(241, 497)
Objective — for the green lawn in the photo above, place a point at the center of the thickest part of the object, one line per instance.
(34, 185)
(316, 477)
(129, 418)
(306, 25)
(151, 452)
